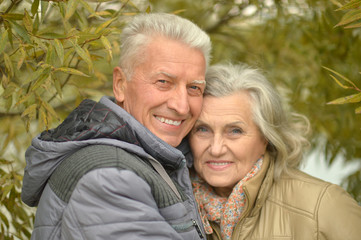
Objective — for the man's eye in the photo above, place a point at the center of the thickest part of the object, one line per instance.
(195, 90)
(162, 81)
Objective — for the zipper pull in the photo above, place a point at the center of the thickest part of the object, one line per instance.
(195, 224)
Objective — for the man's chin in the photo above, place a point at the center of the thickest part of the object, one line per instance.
(171, 140)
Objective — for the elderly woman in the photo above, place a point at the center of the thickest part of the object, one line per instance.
(246, 152)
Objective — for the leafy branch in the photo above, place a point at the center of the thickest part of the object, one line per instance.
(350, 20)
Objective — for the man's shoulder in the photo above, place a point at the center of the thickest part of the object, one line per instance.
(98, 157)
(90, 158)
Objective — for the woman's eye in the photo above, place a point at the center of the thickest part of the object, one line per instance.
(236, 131)
(201, 130)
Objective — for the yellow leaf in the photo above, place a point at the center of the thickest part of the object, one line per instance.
(70, 9)
(87, 6)
(350, 5)
(348, 99)
(350, 17)
(22, 58)
(358, 110)
(59, 50)
(342, 77)
(83, 54)
(27, 21)
(107, 46)
(5, 190)
(49, 109)
(104, 25)
(8, 65)
(71, 71)
(3, 41)
(30, 111)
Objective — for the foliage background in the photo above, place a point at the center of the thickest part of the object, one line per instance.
(53, 54)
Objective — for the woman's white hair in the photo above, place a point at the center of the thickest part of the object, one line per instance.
(285, 133)
(144, 27)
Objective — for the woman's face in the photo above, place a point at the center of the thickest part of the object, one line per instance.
(225, 141)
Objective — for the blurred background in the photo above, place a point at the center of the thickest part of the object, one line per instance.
(54, 54)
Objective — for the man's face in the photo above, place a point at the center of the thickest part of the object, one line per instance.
(165, 92)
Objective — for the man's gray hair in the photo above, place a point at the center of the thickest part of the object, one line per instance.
(285, 133)
(144, 27)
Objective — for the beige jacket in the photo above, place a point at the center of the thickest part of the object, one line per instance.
(296, 207)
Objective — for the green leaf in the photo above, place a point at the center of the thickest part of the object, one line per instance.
(87, 6)
(50, 55)
(36, 24)
(8, 28)
(6, 190)
(348, 99)
(101, 14)
(27, 21)
(83, 54)
(57, 85)
(70, 9)
(4, 220)
(107, 46)
(71, 71)
(21, 31)
(8, 65)
(4, 81)
(44, 7)
(3, 41)
(59, 50)
(12, 16)
(34, 7)
(44, 74)
(9, 90)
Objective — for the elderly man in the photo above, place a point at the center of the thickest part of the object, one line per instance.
(115, 169)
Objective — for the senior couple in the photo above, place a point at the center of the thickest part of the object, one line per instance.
(182, 151)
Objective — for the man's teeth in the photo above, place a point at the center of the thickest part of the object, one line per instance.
(170, 122)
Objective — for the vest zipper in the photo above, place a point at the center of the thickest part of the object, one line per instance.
(186, 227)
(195, 224)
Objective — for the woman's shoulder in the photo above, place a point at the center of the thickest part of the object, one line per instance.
(302, 192)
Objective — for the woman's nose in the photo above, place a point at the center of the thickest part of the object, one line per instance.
(217, 146)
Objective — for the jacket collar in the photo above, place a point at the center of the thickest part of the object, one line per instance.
(258, 187)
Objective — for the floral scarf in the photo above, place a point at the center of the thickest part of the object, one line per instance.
(224, 211)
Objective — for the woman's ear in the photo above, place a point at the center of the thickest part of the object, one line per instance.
(119, 81)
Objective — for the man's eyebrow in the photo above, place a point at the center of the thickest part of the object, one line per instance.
(203, 82)
(199, 82)
(167, 74)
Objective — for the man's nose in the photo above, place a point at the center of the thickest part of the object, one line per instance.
(179, 100)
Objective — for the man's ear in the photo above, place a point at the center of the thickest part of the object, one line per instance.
(119, 81)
